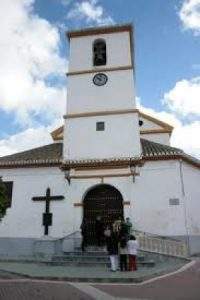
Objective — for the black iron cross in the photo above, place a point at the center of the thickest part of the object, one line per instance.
(47, 216)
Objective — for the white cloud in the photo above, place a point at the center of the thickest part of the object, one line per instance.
(91, 12)
(190, 15)
(27, 139)
(184, 98)
(29, 54)
(185, 137)
(164, 116)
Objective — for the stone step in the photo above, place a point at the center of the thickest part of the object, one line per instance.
(86, 253)
(149, 263)
(95, 248)
(87, 257)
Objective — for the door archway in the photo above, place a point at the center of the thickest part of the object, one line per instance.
(105, 201)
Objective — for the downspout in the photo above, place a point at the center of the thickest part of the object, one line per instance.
(184, 205)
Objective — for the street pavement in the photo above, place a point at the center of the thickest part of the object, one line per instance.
(180, 286)
(35, 290)
(184, 285)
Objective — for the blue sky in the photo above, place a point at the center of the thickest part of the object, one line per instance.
(34, 59)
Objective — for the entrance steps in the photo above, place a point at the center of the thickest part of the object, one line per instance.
(93, 256)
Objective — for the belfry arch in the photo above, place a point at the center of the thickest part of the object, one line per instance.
(105, 201)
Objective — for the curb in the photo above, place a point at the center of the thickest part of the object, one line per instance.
(139, 280)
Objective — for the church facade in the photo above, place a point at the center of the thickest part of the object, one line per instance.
(108, 159)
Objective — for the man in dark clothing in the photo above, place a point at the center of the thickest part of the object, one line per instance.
(124, 231)
(84, 228)
(113, 250)
(99, 231)
(129, 226)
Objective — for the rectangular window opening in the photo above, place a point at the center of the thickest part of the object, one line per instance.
(174, 201)
(9, 190)
(100, 126)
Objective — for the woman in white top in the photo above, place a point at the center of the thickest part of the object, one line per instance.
(132, 252)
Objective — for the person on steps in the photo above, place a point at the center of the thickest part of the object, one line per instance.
(84, 229)
(129, 226)
(112, 246)
(123, 254)
(107, 234)
(99, 231)
(132, 252)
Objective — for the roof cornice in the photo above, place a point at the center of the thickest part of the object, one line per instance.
(151, 151)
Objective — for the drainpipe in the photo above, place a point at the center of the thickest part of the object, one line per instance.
(184, 205)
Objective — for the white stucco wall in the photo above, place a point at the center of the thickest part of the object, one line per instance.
(147, 124)
(149, 196)
(84, 96)
(161, 138)
(24, 218)
(118, 51)
(119, 139)
(158, 182)
(191, 191)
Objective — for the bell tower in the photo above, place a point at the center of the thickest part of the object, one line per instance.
(101, 121)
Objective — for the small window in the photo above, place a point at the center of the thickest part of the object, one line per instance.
(100, 126)
(9, 189)
(99, 52)
(174, 201)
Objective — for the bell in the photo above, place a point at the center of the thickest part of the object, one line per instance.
(99, 58)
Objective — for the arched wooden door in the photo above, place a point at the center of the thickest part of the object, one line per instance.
(105, 201)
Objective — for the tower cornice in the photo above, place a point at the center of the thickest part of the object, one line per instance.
(97, 70)
(100, 113)
(99, 30)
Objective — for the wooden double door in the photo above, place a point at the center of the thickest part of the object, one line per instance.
(103, 201)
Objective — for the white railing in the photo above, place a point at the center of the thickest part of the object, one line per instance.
(162, 245)
(147, 242)
(71, 241)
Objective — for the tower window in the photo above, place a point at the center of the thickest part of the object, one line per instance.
(99, 52)
(140, 122)
(100, 126)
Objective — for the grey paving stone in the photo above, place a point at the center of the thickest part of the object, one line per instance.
(78, 273)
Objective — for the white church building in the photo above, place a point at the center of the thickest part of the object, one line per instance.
(109, 159)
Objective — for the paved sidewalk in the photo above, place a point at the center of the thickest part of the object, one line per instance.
(83, 273)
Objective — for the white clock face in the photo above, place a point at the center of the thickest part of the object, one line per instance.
(100, 79)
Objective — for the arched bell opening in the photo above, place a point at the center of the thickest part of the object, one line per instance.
(99, 52)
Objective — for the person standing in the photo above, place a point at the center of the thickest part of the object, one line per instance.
(117, 226)
(112, 247)
(129, 226)
(84, 229)
(107, 235)
(123, 254)
(132, 251)
(99, 231)
(124, 231)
